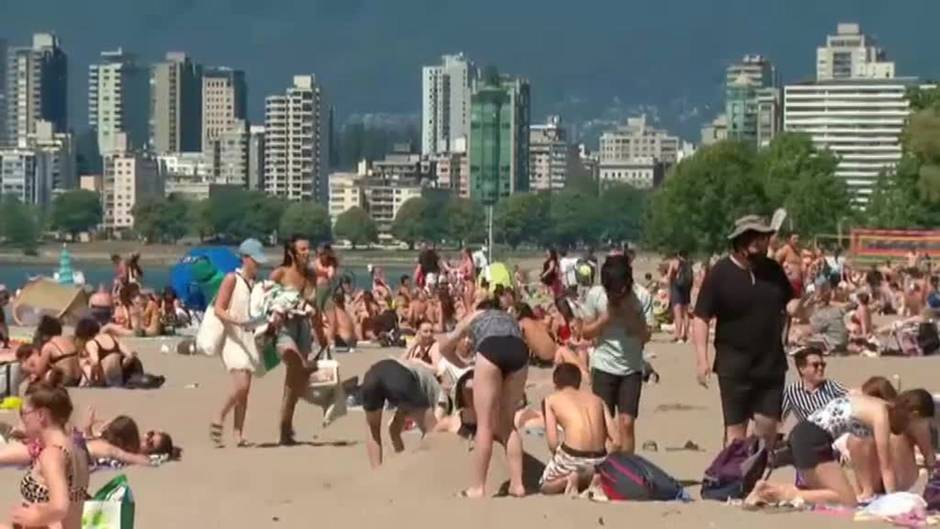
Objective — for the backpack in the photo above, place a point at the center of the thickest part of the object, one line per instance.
(632, 477)
(736, 469)
(927, 338)
(684, 274)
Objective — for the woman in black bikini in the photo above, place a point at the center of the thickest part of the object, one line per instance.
(499, 375)
(56, 352)
(106, 360)
(54, 488)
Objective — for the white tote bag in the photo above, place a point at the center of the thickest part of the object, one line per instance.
(211, 333)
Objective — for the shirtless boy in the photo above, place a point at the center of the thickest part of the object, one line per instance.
(587, 425)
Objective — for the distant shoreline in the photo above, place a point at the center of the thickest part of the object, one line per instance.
(99, 253)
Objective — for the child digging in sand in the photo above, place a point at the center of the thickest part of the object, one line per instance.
(587, 425)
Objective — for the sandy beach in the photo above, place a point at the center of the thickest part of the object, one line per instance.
(327, 480)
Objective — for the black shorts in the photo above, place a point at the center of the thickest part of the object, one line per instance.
(508, 353)
(621, 393)
(680, 295)
(811, 446)
(389, 381)
(743, 397)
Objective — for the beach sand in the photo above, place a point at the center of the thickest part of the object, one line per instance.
(327, 480)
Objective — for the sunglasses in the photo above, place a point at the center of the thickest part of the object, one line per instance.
(26, 413)
(817, 365)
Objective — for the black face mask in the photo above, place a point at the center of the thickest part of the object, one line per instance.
(754, 257)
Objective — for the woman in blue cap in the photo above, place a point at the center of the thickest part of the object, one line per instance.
(239, 351)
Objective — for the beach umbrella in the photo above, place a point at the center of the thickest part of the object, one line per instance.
(198, 274)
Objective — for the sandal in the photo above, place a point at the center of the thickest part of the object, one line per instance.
(215, 434)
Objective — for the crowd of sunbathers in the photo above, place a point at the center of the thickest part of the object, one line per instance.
(839, 316)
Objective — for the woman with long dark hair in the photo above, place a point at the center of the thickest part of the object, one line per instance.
(551, 274)
(295, 337)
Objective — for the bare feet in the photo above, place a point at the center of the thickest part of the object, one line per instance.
(518, 492)
(762, 494)
(571, 486)
(472, 492)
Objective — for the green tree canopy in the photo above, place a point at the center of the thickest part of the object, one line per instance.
(356, 226)
(163, 220)
(410, 224)
(622, 210)
(237, 214)
(803, 180)
(698, 203)
(76, 211)
(465, 220)
(522, 218)
(307, 219)
(20, 224)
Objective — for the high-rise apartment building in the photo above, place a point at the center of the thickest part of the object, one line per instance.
(229, 152)
(296, 142)
(119, 100)
(256, 157)
(176, 105)
(41, 165)
(550, 155)
(224, 102)
(752, 101)
(446, 90)
(858, 120)
(499, 138)
(4, 59)
(638, 139)
(37, 88)
(850, 54)
(128, 177)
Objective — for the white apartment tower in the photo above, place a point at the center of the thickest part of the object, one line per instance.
(445, 103)
(129, 177)
(37, 88)
(549, 154)
(850, 54)
(296, 142)
(119, 100)
(637, 139)
(858, 120)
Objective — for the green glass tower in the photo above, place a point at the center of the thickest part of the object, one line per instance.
(499, 138)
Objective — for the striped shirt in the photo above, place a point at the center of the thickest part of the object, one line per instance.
(803, 402)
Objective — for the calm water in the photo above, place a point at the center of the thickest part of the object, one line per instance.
(156, 277)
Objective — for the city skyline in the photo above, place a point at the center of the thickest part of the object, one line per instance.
(567, 59)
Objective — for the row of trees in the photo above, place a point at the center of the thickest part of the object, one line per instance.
(910, 198)
(234, 215)
(566, 218)
(699, 201)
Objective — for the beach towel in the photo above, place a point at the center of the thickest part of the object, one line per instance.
(899, 508)
(270, 301)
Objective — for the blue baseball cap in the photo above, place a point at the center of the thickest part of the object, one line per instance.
(254, 249)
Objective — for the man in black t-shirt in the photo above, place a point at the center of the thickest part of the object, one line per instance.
(750, 298)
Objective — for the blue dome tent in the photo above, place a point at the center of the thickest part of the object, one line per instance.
(197, 275)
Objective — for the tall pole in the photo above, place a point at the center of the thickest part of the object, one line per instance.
(489, 237)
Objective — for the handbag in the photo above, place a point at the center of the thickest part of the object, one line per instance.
(211, 333)
(325, 388)
(112, 507)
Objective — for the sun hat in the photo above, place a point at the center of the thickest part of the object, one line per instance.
(750, 223)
